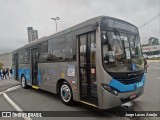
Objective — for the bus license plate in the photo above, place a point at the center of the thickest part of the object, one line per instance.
(132, 96)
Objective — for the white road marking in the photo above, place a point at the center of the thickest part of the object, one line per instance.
(15, 105)
(11, 102)
(13, 88)
(10, 89)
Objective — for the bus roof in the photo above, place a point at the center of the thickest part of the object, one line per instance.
(73, 28)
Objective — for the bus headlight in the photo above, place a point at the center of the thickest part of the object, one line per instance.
(110, 89)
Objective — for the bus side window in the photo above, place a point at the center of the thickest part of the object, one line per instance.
(50, 50)
(26, 56)
(21, 56)
(43, 52)
(59, 48)
(70, 53)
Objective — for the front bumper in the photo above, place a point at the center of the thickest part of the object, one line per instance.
(125, 97)
(109, 100)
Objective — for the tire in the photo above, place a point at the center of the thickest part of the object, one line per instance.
(66, 94)
(23, 82)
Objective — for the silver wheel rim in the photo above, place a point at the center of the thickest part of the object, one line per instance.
(65, 93)
(23, 82)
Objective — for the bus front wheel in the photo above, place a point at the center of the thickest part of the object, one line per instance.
(23, 82)
(66, 94)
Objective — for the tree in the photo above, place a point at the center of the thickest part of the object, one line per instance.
(153, 41)
(1, 65)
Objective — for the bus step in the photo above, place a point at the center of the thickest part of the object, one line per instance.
(35, 87)
(90, 104)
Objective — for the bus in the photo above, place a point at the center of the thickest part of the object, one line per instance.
(98, 62)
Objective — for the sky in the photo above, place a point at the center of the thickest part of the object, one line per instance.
(17, 15)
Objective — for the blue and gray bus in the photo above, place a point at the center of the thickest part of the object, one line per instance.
(98, 62)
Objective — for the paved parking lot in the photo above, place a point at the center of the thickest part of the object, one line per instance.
(38, 100)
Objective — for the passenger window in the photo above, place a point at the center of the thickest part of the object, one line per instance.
(43, 52)
(59, 48)
(70, 53)
(50, 50)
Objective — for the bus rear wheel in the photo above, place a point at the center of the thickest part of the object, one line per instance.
(66, 94)
(23, 82)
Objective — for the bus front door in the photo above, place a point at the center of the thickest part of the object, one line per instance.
(87, 68)
(16, 66)
(34, 65)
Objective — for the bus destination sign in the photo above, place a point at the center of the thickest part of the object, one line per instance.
(121, 25)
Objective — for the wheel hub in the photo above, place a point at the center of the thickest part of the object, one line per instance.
(65, 93)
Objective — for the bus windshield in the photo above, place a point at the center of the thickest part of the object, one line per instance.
(121, 52)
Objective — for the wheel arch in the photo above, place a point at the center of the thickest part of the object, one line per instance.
(59, 83)
(22, 75)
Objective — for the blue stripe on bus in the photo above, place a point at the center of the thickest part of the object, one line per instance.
(39, 77)
(25, 71)
(20, 72)
(126, 88)
(28, 74)
(13, 72)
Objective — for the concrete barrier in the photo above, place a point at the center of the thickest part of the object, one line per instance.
(153, 61)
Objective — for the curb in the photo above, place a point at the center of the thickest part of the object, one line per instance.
(158, 61)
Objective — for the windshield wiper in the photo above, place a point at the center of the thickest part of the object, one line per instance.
(117, 33)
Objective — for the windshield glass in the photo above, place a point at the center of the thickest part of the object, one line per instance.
(121, 52)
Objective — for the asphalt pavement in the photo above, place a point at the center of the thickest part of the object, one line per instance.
(38, 100)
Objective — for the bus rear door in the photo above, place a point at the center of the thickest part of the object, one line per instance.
(34, 65)
(16, 66)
